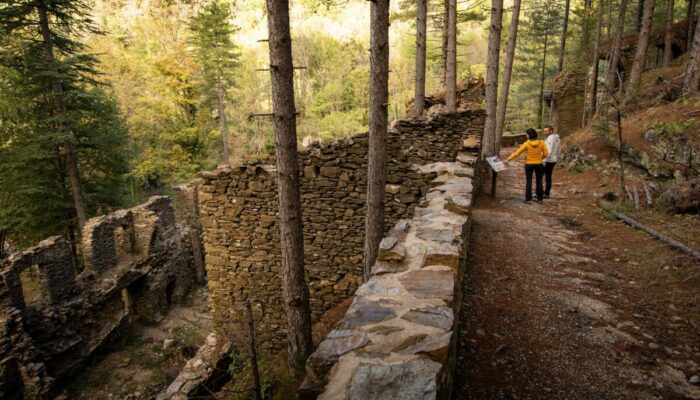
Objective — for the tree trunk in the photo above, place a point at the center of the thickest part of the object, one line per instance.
(640, 14)
(443, 54)
(540, 110)
(690, 14)
(222, 121)
(421, 25)
(586, 28)
(594, 73)
(376, 161)
(60, 109)
(451, 75)
(488, 147)
(3, 234)
(619, 152)
(609, 20)
(640, 57)
(562, 47)
(507, 72)
(611, 79)
(668, 35)
(692, 71)
(296, 293)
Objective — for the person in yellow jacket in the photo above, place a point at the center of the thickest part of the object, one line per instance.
(535, 151)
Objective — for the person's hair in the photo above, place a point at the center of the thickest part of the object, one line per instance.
(550, 127)
(531, 133)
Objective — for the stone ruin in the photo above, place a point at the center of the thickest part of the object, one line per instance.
(137, 262)
(470, 96)
(238, 213)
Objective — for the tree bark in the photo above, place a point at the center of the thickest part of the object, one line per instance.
(376, 160)
(443, 54)
(296, 293)
(640, 57)
(421, 26)
(668, 35)
(488, 147)
(540, 110)
(222, 121)
(562, 46)
(640, 14)
(609, 21)
(451, 75)
(623, 184)
(63, 123)
(507, 73)
(594, 67)
(689, 16)
(611, 79)
(692, 71)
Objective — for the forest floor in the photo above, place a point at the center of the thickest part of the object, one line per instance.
(562, 301)
(143, 364)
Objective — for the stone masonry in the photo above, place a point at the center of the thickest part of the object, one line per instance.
(397, 339)
(137, 262)
(238, 214)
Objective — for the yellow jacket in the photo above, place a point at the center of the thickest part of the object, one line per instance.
(536, 151)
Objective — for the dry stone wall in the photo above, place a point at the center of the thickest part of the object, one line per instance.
(398, 338)
(238, 214)
(137, 262)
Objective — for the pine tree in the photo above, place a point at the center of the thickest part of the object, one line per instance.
(64, 146)
(217, 59)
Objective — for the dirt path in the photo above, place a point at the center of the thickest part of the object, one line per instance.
(563, 303)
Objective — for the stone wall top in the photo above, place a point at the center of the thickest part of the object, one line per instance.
(397, 339)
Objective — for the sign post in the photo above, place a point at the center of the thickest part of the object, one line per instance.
(497, 166)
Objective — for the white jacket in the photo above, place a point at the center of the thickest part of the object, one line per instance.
(552, 142)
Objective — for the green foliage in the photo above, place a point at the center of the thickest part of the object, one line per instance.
(36, 201)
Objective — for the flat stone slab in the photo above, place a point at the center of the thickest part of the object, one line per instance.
(437, 317)
(337, 343)
(435, 346)
(429, 284)
(364, 311)
(414, 379)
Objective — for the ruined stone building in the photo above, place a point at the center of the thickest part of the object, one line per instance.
(136, 263)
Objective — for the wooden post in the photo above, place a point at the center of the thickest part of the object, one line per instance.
(494, 177)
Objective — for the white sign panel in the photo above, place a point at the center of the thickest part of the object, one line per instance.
(496, 164)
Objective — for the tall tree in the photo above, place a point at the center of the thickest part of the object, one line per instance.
(217, 58)
(668, 34)
(562, 46)
(421, 27)
(611, 81)
(543, 76)
(494, 50)
(593, 85)
(692, 71)
(60, 77)
(378, 104)
(296, 293)
(690, 13)
(640, 57)
(451, 74)
(507, 73)
(444, 47)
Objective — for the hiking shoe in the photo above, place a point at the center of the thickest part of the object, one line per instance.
(539, 201)
(527, 201)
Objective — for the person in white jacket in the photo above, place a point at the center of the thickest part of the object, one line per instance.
(552, 141)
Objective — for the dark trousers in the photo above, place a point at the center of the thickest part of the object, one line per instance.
(548, 168)
(538, 169)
